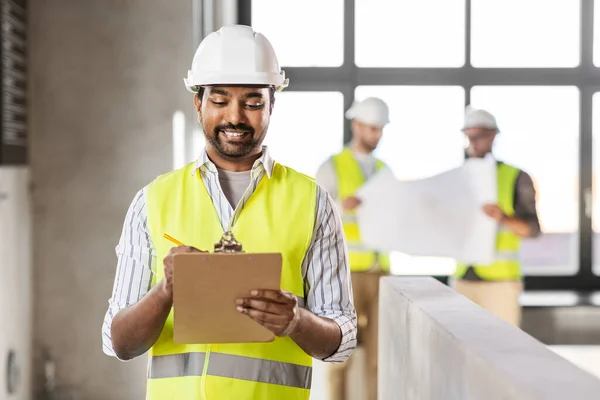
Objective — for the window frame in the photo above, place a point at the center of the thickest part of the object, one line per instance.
(585, 76)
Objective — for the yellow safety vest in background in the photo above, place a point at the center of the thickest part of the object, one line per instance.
(278, 217)
(350, 178)
(507, 265)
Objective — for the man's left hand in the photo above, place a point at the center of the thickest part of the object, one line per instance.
(494, 211)
(276, 310)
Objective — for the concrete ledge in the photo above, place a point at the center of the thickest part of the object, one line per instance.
(436, 344)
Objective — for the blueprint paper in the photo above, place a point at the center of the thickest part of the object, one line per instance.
(439, 216)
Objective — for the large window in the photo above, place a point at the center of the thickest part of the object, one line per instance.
(405, 33)
(533, 63)
(413, 149)
(301, 36)
(593, 196)
(525, 33)
(597, 33)
(301, 141)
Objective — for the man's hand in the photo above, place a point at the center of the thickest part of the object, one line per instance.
(493, 211)
(276, 310)
(167, 281)
(136, 328)
(350, 203)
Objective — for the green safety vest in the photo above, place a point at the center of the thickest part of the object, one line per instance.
(350, 178)
(279, 217)
(507, 265)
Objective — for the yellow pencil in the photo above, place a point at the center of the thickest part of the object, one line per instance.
(172, 239)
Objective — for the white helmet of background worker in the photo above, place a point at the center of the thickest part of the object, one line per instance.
(476, 118)
(235, 55)
(371, 111)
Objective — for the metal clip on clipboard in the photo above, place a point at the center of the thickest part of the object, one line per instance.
(228, 244)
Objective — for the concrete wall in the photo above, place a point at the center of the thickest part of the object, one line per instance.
(106, 78)
(436, 344)
(16, 283)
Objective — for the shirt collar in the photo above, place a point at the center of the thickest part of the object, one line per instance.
(488, 155)
(265, 161)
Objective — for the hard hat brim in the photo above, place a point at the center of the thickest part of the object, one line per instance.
(212, 79)
(481, 126)
(379, 124)
(350, 114)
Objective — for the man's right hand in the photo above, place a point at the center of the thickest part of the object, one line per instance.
(350, 203)
(167, 281)
(136, 328)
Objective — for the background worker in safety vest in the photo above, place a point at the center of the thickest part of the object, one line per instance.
(497, 287)
(234, 185)
(342, 175)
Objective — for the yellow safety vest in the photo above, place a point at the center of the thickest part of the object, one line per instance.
(350, 178)
(507, 265)
(278, 217)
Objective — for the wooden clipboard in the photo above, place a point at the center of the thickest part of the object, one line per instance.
(205, 288)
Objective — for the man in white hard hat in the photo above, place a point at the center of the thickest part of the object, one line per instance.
(342, 175)
(234, 186)
(497, 287)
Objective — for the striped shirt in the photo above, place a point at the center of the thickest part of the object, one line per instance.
(328, 291)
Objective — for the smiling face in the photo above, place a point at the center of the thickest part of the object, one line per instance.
(235, 120)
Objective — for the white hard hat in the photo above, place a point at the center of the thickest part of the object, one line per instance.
(235, 55)
(370, 111)
(475, 118)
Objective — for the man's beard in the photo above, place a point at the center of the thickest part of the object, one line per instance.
(368, 145)
(233, 149)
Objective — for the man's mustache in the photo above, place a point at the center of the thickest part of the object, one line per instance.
(241, 127)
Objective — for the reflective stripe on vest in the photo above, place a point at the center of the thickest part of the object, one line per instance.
(507, 264)
(279, 217)
(348, 218)
(350, 178)
(230, 366)
(507, 255)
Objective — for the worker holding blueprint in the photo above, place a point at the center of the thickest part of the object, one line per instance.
(476, 214)
(497, 286)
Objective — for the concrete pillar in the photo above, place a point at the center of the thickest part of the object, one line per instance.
(106, 78)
